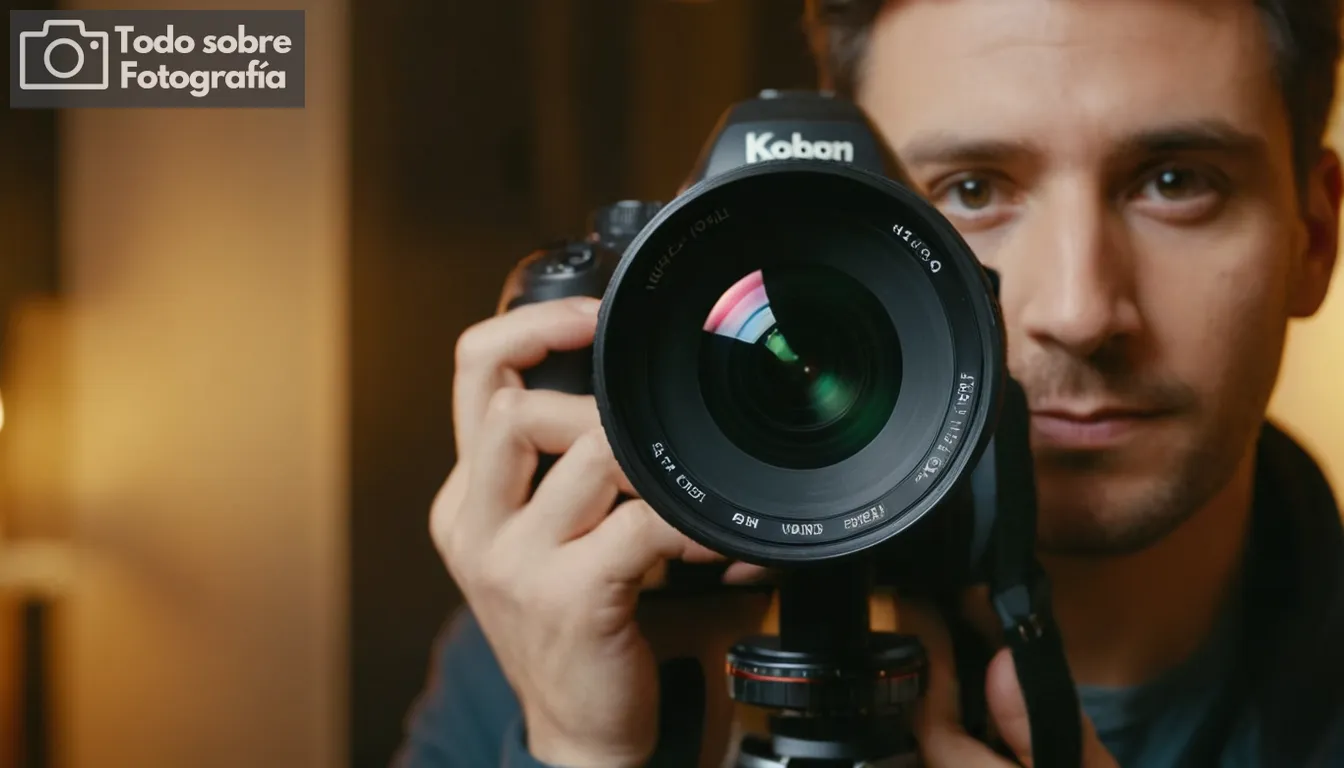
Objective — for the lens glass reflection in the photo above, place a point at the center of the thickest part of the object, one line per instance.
(800, 365)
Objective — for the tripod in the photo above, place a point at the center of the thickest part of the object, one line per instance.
(838, 694)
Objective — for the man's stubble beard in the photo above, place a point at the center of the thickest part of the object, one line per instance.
(1106, 522)
(1117, 513)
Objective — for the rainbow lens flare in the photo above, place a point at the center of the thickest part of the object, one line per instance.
(802, 359)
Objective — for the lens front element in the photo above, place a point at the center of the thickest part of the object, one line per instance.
(800, 365)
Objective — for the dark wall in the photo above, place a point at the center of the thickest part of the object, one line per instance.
(479, 130)
(29, 269)
(28, 258)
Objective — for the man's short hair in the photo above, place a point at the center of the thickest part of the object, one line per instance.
(1305, 35)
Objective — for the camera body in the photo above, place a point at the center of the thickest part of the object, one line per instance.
(577, 267)
(947, 454)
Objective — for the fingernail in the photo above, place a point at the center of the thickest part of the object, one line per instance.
(588, 306)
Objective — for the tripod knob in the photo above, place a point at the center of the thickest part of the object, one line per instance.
(888, 676)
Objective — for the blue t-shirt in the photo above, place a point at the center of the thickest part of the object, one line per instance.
(468, 717)
(1154, 724)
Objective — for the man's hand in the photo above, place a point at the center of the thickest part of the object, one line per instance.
(943, 742)
(552, 577)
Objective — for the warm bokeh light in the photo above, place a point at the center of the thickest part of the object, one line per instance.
(1306, 401)
(203, 255)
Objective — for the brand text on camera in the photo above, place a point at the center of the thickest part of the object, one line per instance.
(762, 146)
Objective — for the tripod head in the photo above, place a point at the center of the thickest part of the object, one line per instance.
(838, 694)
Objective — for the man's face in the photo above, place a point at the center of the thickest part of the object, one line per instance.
(1126, 167)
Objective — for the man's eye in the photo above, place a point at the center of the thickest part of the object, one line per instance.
(1178, 184)
(973, 193)
(1182, 194)
(969, 196)
(974, 201)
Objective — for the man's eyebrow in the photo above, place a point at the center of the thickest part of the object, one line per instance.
(1212, 135)
(946, 148)
(1194, 136)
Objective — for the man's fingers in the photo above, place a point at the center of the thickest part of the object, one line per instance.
(490, 354)
(943, 741)
(941, 705)
(746, 573)
(577, 492)
(954, 748)
(519, 424)
(1008, 708)
(632, 540)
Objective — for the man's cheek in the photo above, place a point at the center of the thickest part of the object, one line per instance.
(1232, 367)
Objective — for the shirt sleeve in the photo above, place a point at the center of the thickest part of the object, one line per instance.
(467, 716)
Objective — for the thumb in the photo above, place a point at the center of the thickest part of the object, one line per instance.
(1008, 708)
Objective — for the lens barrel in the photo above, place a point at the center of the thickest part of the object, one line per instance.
(797, 360)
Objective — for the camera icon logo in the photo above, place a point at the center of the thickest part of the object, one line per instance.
(45, 63)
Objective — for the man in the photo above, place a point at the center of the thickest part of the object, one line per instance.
(1147, 177)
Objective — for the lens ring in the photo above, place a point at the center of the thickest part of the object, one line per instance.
(835, 240)
(646, 363)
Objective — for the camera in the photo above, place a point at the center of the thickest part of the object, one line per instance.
(64, 56)
(799, 363)
(798, 358)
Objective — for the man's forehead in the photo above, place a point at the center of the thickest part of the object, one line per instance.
(1051, 70)
(1062, 24)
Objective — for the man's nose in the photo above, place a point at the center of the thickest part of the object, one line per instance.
(1077, 271)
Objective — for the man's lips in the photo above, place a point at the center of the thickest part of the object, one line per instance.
(1090, 428)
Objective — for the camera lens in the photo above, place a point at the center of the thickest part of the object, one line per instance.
(796, 361)
(800, 365)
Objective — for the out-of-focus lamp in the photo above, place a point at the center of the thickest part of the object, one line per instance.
(37, 573)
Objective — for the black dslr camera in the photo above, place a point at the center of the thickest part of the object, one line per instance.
(799, 363)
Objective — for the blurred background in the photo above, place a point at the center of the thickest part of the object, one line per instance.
(226, 352)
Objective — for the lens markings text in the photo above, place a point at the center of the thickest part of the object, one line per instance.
(947, 444)
(694, 231)
(867, 516)
(918, 246)
(802, 529)
(682, 481)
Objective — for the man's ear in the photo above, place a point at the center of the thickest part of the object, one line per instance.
(1321, 211)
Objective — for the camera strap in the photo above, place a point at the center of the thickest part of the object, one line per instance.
(1020, 590)
(1043, 673)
